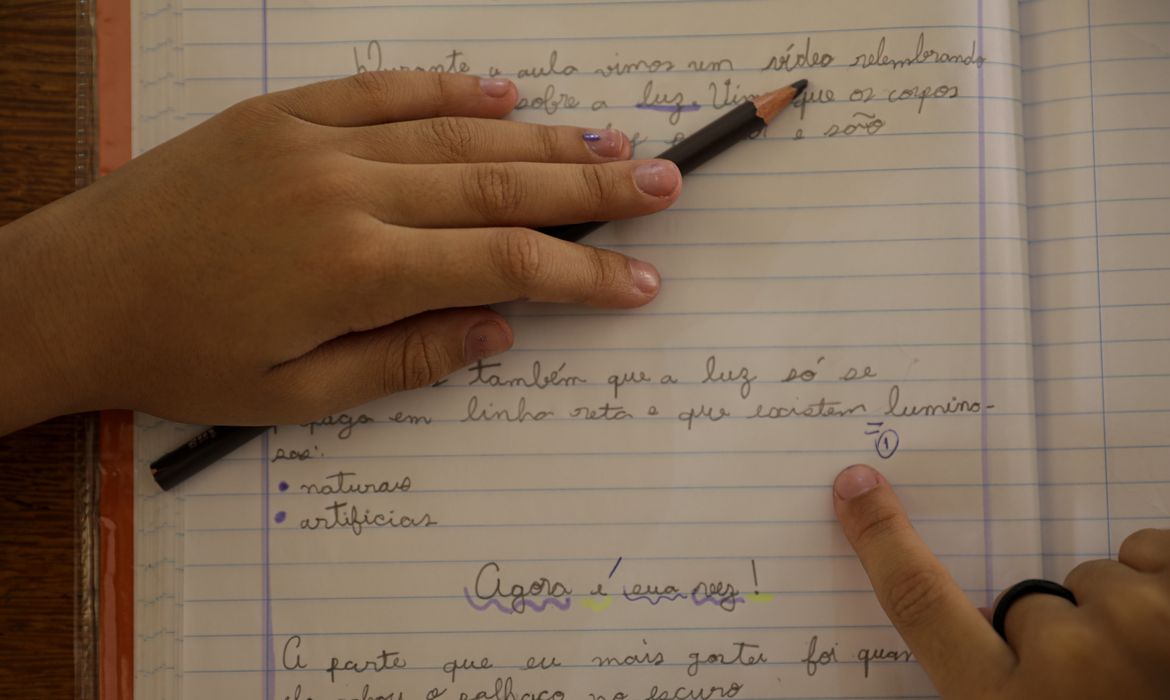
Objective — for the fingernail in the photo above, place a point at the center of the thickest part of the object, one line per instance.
(486, 339)
(657, 178)
(855, 481)
(645, 277)
(607, 143)
(495, 87)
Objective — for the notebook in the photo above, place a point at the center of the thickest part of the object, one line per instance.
(950, 259)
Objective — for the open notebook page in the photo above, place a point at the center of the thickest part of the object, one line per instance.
(850, 287)
(1097, 91)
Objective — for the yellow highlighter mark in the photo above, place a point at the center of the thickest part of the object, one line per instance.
(597, 604)
(759, 597)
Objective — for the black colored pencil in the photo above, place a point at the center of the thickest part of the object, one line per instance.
(745, 119)
(199, 452)
(714, 138)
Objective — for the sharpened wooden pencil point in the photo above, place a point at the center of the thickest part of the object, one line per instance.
(770, 104)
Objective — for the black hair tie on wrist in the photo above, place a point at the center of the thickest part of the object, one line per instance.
(1021, 589)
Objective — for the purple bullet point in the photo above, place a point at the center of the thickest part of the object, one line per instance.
(280, 516)
(283, 486)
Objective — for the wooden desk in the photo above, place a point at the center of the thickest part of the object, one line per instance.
(37, 517)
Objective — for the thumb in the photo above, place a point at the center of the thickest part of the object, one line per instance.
(411, 353)
(949, 636)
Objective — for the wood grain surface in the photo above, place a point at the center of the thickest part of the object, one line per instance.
(38, 584)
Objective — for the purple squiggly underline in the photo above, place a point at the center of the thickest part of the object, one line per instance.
(658, 598)
(670, 108)
(715, 601)
(555, 602)
(537, 606)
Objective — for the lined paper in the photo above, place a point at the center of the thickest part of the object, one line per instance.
(1097, 95)
(852, 286)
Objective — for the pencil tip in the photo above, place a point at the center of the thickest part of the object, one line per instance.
(770, 104)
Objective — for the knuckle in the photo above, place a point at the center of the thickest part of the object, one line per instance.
(1147, 543)
(256, 121)
(1083, 572)
(330, 185)
(495, 190)
(374, 85)
(419, 361)
(913, 595)
(1138, 537)
(547, 143)
(452, 137)
(595, 186)
(352, 264)
(877, 523)
(604, 269)
(517, 255)
(255, 109)
(333, 183)
(444, 86)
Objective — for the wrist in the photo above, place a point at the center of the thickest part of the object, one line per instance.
(49, 353)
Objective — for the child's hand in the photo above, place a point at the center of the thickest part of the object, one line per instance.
(1114, 643)
(309, 250)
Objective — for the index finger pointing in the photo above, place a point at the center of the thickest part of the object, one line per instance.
(950, 637)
